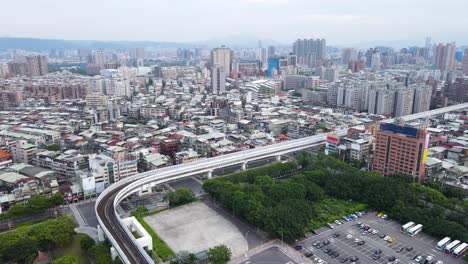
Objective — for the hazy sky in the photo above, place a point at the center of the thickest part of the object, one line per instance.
(341, 22)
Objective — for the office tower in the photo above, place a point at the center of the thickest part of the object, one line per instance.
(271, 51)
(37, 65)
(309, 51)
(273, 65)
(294, 82)
(381, 102)
(444, 57)
(400, 150)
(465, 62)
(136, 53)
(422, 99)
(348, 56)
(223, 56)
(404, 102)
(218, 79)
(100, 58)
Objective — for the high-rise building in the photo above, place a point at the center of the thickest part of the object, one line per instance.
(457, 91)
(465, 62)
(273, 65)
(381, 102)
(223, 56)
(348, 56)
(100, 58)
(37, 65)
(400, 150)
(84, 54)
(422, 99)
(218, 79)
(17, 68)
(404, 102)
(444, 56)
(137, 53)
(309, 51)
(292, 60)
(263, 56)
(271, 51)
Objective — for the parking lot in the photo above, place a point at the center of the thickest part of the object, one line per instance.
(349, 233)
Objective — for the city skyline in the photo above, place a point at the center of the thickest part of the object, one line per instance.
(346, 23)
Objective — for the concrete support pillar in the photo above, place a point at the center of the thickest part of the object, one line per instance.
(209, 174)
(244, 166)
(278, 158)
(100, 233)
(114, 253)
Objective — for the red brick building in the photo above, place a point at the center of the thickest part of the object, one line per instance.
(400, 150)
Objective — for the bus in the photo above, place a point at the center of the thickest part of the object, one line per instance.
(460, 250)
(450, 247)
(405, 227)
(415, 229)
(441, 245)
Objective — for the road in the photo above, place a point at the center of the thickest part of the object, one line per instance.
(105, 204)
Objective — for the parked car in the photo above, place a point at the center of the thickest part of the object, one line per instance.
(327, 250)
(418, 259)
(375, 231)
(409, 248)
(330, 226)
(360, 243)
(335, 235)
(382, 235)
(343, 260)
(338, 222)
(400, 249)
(335, 254)
(315, 243)
(354, 258)
(298, 247)
(376, 256)
(378, 251)
(356, 240)
(308, 254)
(349, 236)
(386, 238)
(326, 242)
(391, 240)
(391, 258)
(364, 233)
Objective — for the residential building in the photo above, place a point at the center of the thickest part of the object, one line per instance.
(23, 152)
(223, 57)
(218, 79)
(444, 56)
(309, 51)
(37, 65)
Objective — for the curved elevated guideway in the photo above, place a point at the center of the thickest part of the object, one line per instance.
(121, 238)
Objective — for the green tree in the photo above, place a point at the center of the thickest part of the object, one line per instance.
(38, 203)
(101, 254)
(56, 200)
(180, 196)
(184, 257)
(54, 232)
(66, 260)
(23, 250)
(18, 210)
(219, 255)
(53, 147)
(86, 242)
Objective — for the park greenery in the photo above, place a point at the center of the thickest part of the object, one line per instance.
(36, 204)
(180, 196)
(161, 251)
(22, 244)
(288, 199)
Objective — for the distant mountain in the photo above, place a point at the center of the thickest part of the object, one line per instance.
(238, 41)
(34, 44)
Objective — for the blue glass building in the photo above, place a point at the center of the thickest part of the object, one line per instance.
(273, 63)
